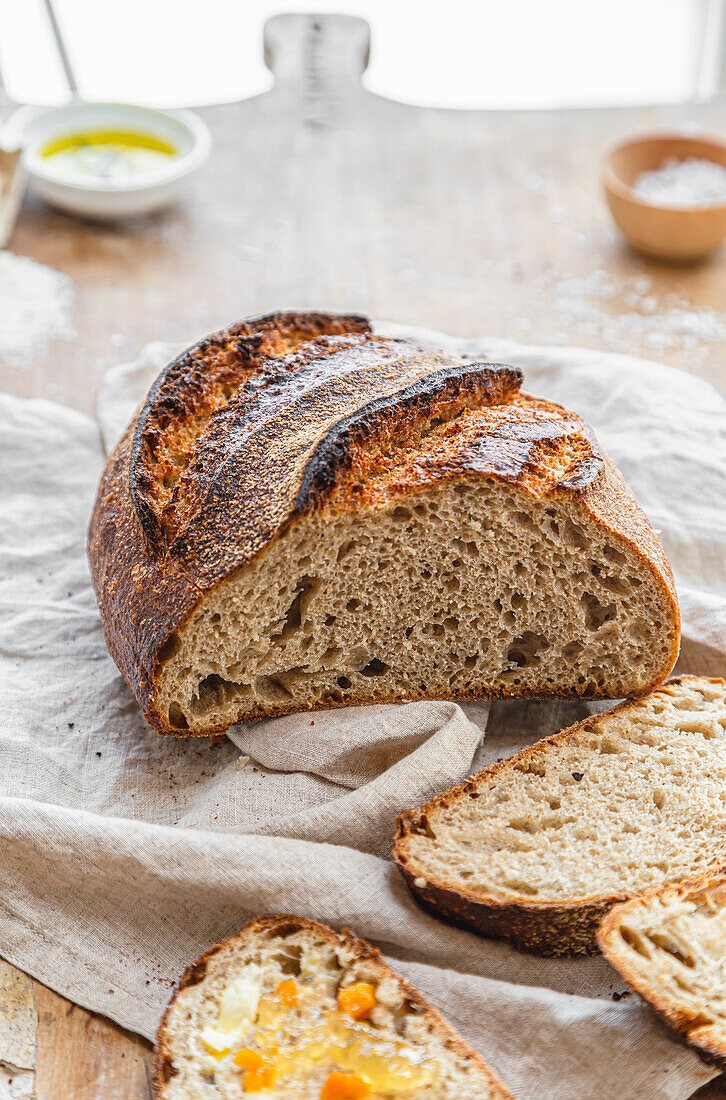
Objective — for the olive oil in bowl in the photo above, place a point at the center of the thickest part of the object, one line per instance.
(111, 156)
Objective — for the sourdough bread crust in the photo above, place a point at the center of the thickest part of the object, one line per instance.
(180, 508)
(538, 927)
(704, 1038)
(286, 924)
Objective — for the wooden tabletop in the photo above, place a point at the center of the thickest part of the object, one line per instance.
(321, 195)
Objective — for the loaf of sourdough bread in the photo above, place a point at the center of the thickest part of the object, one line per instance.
(537, 848)
(306, 515)
(288, 1007)
(670, 946)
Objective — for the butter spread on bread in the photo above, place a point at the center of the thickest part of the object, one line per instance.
(289, 1008)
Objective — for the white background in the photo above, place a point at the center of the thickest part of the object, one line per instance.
(453, 53)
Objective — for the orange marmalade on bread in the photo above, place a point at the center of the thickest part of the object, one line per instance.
(293, 1032)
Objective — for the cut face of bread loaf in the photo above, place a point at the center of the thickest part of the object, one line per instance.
(289, 1008)
(537, 848)
(670, 946)
(305, 515)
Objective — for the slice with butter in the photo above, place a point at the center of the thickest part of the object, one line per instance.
(290, 1008)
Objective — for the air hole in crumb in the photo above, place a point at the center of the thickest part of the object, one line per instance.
(272, 689)
(662, 942)
(304, 588)
(521, 887)
(524, 520)
(176, 717)
(211, 685)
(531, 767)
(290, 959)
(575, 535)
(596, 613)
(422, 827)
(345, 549)
(374, 668)
(525, 649)
(171, 646)
(523, 825)
(282, 931)
(635, 941)
(614, 555)
(343, 682)
(608, 747)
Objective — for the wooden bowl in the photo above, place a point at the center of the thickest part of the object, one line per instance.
(668, 232)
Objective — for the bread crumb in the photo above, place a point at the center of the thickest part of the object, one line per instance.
(242, 762)
(420, 883)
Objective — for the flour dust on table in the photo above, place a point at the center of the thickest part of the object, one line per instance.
(36, 307)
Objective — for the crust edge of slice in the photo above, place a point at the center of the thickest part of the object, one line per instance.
(567, 927)
(706, 1038)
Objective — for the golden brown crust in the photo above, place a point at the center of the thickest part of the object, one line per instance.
(539, 927)
(286, 924)
(259, 426)
(695, 1030)
(202, 380)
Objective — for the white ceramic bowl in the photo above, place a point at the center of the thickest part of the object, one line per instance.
(111, 199)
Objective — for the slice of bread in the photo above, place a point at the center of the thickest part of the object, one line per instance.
(307, 515)
(288, 1007)
(670, 946)
(535, 849)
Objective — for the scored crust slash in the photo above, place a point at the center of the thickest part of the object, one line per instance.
(304, 515)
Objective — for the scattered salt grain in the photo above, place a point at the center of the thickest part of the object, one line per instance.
(36, 306)
(684, 183)
(591, 307)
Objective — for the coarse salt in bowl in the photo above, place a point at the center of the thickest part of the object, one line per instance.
(641, 197)
(683, 183)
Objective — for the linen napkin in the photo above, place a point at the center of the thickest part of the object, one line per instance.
(125, 855)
